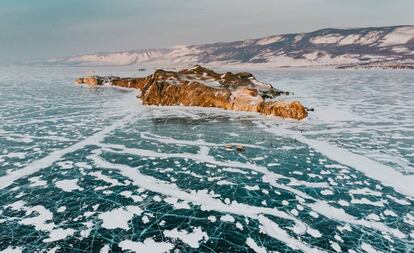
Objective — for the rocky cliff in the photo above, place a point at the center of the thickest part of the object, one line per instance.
(203, 87)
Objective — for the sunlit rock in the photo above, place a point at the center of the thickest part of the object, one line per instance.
(199, 86)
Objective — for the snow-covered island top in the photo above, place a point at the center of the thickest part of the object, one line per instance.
(199, 86)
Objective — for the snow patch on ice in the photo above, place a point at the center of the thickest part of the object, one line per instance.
(47, 161)
(148, 246)
(119, 218)
(59, 234)
(12, 249)
(190, 238)
(253, 245)
(68, 185)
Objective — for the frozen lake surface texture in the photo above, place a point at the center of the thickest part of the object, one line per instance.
(92, 170)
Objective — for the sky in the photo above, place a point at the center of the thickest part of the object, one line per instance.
(40, 29)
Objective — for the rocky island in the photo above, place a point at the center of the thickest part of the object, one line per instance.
(199, 86)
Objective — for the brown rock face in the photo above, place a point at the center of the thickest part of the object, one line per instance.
(90, 80)
(203, 87)
(291, 110)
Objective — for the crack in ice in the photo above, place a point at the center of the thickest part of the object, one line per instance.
(47, 161)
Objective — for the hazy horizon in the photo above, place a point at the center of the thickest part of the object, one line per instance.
(38, 30)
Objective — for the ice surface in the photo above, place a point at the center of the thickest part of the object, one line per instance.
(94, 170)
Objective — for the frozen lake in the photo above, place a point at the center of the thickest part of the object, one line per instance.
(92, 170)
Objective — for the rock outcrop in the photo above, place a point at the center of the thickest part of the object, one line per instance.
(203, 87)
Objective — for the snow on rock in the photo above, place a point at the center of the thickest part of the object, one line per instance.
(269, 40)
(400, 49)
(124, 58)
(203, 87)
(350, 39)
(181, 54)
(369, 38)
(327, 39)
(298, 38)
(314, 55)
(399, 36)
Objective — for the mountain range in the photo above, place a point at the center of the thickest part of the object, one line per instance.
(345, 47)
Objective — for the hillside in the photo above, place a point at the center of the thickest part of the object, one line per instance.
(377, 46)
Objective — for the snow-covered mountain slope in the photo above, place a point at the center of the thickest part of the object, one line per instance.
(326, 47)
(105, 59)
